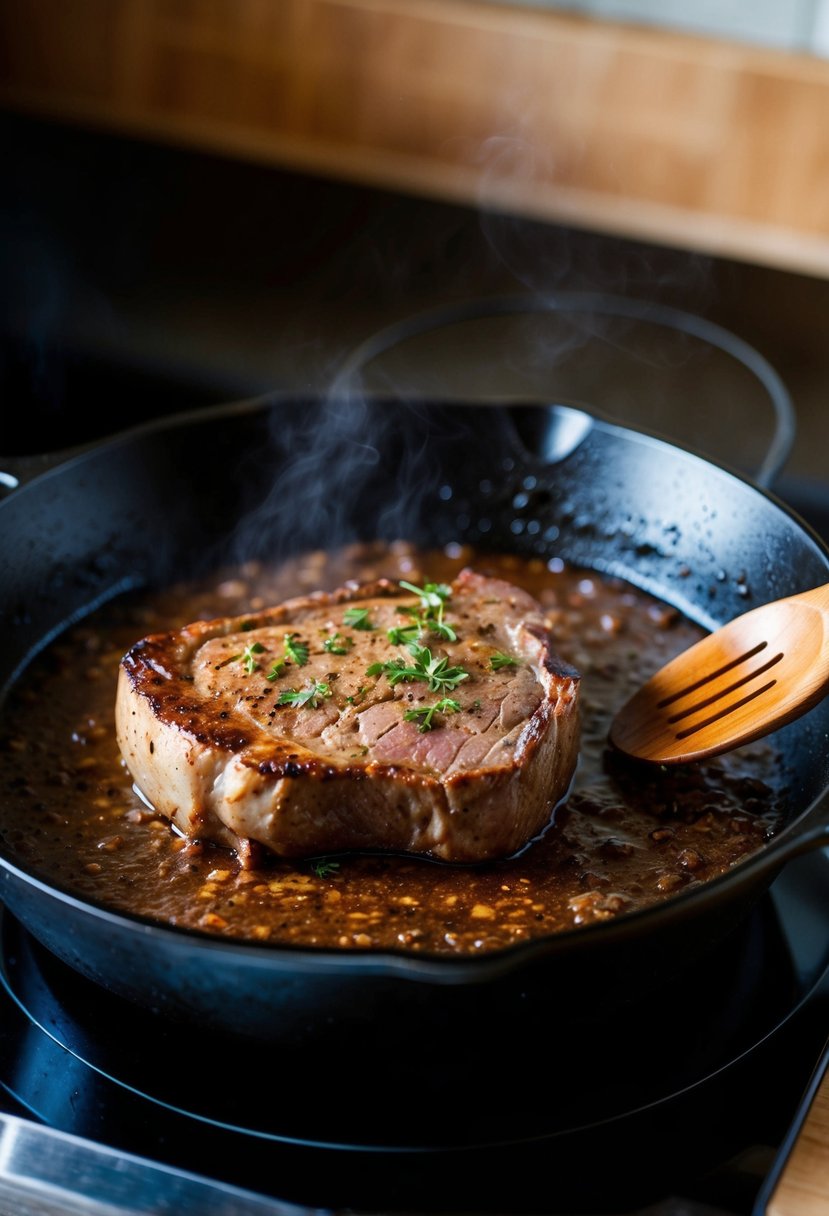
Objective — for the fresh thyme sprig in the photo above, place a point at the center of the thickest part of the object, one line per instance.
(432, 595)
(312, 696)
(428, 615)
(357, 618)
(437, 672)
(499, 660)
(295, 650)
(337, 643)
(247, 656)
(427, 712)
(401, 635)
(324, 867)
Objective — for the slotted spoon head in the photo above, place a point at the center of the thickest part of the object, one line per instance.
(748, 678)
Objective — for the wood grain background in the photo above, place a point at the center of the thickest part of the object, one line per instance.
(693, 142)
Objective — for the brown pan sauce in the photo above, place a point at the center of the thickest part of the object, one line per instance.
(625, 838)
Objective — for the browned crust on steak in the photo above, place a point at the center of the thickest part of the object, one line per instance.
(209, 750)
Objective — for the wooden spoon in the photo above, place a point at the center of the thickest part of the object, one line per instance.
(744, 680)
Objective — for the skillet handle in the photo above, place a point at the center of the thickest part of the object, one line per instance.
(348, 377)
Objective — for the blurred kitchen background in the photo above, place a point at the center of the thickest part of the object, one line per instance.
(204, 200)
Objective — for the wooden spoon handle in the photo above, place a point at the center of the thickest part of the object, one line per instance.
(802, 1188)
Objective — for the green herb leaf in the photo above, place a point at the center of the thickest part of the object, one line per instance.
(436, 672)
(443, 630)
(427, 712)
(401, 635)
(297, 651)
(312, 696)
(337, 643)
(499, 660)
(357, 618)
(324, 867)
(276, 670)
(432, 595)
(247, 656)
(429, 614)
(395, 669)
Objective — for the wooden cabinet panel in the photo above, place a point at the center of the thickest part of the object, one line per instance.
(636, 132)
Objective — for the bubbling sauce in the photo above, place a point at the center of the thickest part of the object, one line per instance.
(625, 838)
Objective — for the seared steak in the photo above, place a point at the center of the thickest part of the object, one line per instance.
(431, 720)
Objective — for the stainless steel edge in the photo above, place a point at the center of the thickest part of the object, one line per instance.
(47, 1172)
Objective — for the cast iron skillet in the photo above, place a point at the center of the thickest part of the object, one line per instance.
(181, 495)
